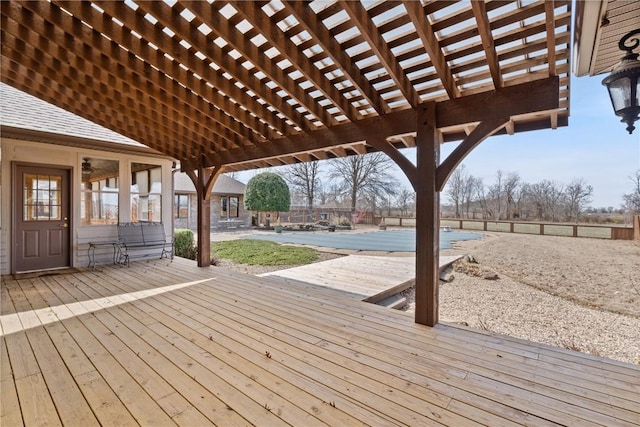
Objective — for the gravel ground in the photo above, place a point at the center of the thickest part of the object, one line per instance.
(577, 293)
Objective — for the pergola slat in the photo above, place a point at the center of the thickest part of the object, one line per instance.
(269, 29)
(205, 45)
(191, 85)
(102, 55)
(377, 44)
(226, 105)
(484, 28)
(210, 15)
(431, 45)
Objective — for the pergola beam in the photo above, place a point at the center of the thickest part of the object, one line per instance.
(484, 28)
(309, 20)
(71, 58)
(25, 79)
(219, 107)
(431, 45)
(209, 14)
(535, 96)
(254, 14)
(549, 6)
(205, 44)
(373, 36)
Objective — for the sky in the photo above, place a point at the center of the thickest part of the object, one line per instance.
(595, 146)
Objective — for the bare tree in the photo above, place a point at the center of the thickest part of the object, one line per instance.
(364, 175)
(510, 193)
(330, 192)
(519, 200)
(481, 196)
(471, 191)
(632, 200)
(495, 196)
(405, 200)
(305, 178)
(461, 190)
(545, 197)
(577, 196)
(455, 189)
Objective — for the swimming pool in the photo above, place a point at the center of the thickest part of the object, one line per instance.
(386, 241)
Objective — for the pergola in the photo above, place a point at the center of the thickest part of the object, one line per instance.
(229, 86)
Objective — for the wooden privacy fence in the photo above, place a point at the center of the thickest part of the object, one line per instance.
(548, 229)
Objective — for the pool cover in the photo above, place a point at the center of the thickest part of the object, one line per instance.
(386, 241)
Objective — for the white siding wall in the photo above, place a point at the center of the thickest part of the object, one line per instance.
(32, 152)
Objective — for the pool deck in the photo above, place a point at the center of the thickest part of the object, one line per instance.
(366, 278)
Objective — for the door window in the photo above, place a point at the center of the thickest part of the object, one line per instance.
(42, 197)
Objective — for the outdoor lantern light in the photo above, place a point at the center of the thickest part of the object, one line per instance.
(623, 83)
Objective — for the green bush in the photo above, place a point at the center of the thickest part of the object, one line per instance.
(267, 192)
(185, 245)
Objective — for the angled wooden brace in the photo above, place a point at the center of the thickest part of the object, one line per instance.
(409, 169)
(484, 130)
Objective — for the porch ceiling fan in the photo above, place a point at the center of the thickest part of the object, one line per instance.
(86, 167)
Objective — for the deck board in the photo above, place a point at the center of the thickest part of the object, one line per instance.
(326, 338)
(168, 343)
(362, 277)
(10, 414)
(519, 360)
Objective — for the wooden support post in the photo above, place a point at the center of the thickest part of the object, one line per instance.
(427, 217)
(204, 230)
(203, 182)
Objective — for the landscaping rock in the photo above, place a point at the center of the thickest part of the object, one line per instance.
(447, 275)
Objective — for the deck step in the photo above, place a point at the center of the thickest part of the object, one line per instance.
(396, 301)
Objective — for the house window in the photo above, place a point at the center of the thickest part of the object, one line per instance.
(181, 206)
(229, 207)
(233, 207)
(146, 193)
(223, 207)
(99, 195)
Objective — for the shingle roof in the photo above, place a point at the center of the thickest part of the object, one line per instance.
(223, 185)
(20, 110)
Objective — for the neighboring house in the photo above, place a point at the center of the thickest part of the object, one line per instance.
(227, 204)
(66, 181)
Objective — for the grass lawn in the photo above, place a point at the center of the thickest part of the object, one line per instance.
(261, 252)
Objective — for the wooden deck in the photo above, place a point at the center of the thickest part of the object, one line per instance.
(363, 277)
(164, 343)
